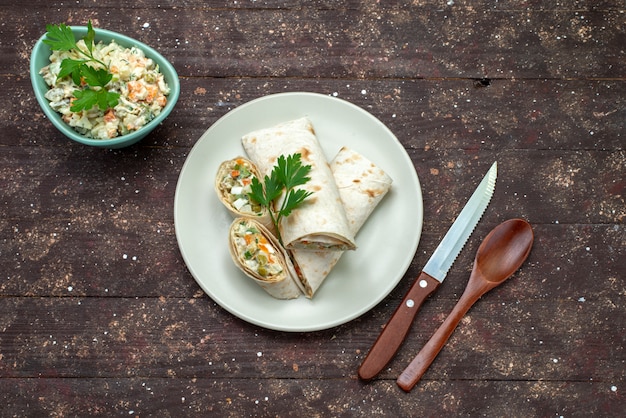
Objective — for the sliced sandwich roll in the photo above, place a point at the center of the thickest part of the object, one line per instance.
(232, 185)
(362, 185)
(320, 223)
(257, 253)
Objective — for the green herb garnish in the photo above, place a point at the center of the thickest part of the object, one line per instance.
(61, 38)
(287, 174)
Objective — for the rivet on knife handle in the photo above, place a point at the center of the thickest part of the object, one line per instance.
(392, 336)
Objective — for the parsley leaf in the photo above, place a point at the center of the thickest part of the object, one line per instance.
(287, 174)
(273, 186)
(293, 200)
(85, 99)
(60, 37)
(90, 39)
(257, 193)
(72, 68)
(291, 172)
(91, 72)
(95, 77)
(88, 98)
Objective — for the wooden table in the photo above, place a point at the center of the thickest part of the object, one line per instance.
(99, 314)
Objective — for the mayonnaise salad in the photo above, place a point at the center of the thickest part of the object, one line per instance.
(136, 78)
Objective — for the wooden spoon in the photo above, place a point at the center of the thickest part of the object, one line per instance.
(500, 254)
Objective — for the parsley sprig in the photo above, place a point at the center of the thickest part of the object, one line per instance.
(90, 70)
(287, 174)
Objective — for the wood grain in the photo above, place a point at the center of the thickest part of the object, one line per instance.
(100, 316)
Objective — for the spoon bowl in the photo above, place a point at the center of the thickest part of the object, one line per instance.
(500, 254)
(504, 250)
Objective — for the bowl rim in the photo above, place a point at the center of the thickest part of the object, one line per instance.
(104, 35)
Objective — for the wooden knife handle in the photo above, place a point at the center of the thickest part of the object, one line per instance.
(416, 369)
(398, 326)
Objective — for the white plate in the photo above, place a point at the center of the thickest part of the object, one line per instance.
(362, 278)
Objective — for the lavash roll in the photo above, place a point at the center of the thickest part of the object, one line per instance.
(320, 223)
(239, 207)
(362, 185)
(247, 239)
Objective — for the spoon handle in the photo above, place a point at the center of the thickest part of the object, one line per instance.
(416, 369)
(398, 326)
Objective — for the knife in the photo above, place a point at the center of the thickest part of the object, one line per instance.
(433, 273)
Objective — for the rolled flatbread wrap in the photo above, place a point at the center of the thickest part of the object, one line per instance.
(232, 185)
(259, 255)
(320, 223)
(362, 185)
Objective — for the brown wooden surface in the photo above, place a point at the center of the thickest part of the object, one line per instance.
(100, 316)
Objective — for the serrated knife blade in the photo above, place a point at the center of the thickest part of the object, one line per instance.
(433, 273)
(449, 248)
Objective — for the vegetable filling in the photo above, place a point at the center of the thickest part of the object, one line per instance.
(255, 251)
(236, 185)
